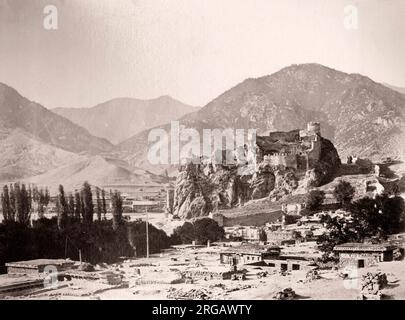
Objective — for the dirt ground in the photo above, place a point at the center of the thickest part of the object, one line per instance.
(329, 287)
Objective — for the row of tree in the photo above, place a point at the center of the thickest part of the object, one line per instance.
(19, 202)
(81, 206)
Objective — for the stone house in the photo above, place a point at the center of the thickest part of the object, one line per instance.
(360, 255)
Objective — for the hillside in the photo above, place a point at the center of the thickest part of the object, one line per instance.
(361, 117)
(97, 171)
(121, 118)
(22, 155)
(17, 112)
(399, 89)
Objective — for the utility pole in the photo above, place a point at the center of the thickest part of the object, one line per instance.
(66, 244)
(147, 234)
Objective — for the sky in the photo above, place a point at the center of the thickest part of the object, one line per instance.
(192, 50)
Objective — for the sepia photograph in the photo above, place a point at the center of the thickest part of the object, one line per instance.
(209, 150)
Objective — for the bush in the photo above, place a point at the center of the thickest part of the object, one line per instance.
(201, 231)
(315, 199)
(344, 193)
(207, 229)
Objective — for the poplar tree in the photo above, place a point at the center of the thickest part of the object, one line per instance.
(5, 204)
(99, 205)
(116, 202)
(63, 208)
(104, 204)
(12, 212)
(71, 206)
(87, 199)
(78, 205)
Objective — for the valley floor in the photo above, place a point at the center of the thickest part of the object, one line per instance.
(330, 286)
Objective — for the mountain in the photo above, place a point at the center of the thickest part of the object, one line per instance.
(361, 117)
(22, 155)
(97, 170)
(121, 118)
(17, 112)
(399, 89)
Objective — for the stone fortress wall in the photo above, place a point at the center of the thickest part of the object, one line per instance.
(303, 153)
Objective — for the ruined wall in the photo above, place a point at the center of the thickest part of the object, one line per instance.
(314, 153)
(282, 159)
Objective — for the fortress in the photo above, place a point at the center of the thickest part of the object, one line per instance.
(298, 149)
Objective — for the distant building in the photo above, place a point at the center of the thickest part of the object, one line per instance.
(143, 206)
(245, 255)
(270, 257)
(280, 237)
(249, 233)
(38, 266)
(360, 255)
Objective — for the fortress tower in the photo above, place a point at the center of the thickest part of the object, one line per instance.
(314, 128)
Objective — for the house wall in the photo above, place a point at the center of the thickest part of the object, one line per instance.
(240, 258)
(350, 259)
(288, 265)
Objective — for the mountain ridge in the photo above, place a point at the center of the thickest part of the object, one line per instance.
(121, 118)
(360, 116)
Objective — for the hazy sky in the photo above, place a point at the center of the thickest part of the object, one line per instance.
(192, 50)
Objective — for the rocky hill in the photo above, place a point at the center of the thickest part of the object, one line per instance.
(201, 189)
(119, 119)
(361, 117)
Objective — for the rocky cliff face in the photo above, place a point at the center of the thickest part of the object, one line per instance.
(205, 188)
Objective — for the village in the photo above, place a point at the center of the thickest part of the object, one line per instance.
(276, 260)
(267, 249)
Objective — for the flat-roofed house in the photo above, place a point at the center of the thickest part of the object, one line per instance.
(360, 255)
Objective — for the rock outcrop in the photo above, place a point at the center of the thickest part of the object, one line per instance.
(205, 188)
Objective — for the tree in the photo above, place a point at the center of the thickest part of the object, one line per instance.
(104, 204)
(116, 202)
(344, 193)
(368, 218)
(71, 206)
(339, 230)
(99, 208)
(5, 204)
(314, 199)
(184, 233)
(87, 203)
(262, 235)
(78, 205)
(12, 203)
(62, 206)
(207, 229)
(379, 217)
(22, 204)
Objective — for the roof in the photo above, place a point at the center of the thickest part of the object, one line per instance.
(40, 262)
(249, 249)
(351, 246)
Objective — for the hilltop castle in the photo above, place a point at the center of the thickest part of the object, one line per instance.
(298, 149)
